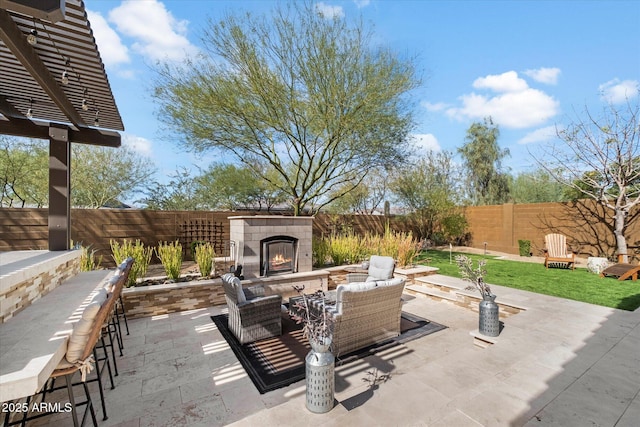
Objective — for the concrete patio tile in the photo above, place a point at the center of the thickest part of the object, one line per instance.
(197, 389)
(566, 363)
(208, 411)
(455, 418)
(491, 406)
(631, 415)
(242, 401)
(162, 399)
(451, 380)
(229, 376)
(129, 423)
(172, 353)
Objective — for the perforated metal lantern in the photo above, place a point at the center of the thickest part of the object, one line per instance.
(320, 379)
(489, 319)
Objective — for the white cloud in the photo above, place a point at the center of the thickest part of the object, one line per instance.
(111, 49)
(158, 35)
(137, 143)
(426, 142)
(505, 82)
(539, 135)
(616, 91)
(439, 106)
(328, 11)
(544, 75)
(515, 106)
(362, 3)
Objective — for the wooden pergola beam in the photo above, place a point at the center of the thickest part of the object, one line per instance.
(15, 41)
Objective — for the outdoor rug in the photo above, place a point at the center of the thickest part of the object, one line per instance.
(276, 362)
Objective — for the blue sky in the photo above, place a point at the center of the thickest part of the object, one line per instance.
(530, 65)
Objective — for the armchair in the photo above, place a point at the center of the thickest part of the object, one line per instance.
(380, 268)
(252, 315)
(555, 251)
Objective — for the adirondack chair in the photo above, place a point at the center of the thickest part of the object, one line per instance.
(555, 251)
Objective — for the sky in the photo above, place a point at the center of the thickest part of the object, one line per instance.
(532, 66)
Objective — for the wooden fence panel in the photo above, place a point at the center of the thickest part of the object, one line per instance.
(499, 226)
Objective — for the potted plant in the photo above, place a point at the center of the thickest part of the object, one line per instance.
(489, 319)
(309, 310)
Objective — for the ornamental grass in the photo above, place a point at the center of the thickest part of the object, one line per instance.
(141, 257)
(170, 255)
(204, 256)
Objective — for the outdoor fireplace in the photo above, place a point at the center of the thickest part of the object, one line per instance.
(278, 255)
(267, 245)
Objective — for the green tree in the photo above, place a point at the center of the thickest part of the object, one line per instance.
(24, 172)
(307, 95)
(180, 193)
(431, 191)
(537, 186)
(231, 187)
(103, 175)
(482, 157)
(599, 159)
(366, 198)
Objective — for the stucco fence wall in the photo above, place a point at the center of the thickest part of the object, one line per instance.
(499, 226)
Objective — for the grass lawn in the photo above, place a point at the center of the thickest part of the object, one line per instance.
(579, 284)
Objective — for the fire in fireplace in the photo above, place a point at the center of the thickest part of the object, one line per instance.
(278, 255)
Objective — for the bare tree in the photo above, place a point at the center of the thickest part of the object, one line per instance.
(599, 159)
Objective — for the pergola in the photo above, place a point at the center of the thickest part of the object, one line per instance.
(53, 86)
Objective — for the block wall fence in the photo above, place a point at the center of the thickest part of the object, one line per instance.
(499, 226)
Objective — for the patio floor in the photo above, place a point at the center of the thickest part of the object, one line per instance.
(561, 362)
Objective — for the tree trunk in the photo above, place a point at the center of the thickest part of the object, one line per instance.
(621, 242)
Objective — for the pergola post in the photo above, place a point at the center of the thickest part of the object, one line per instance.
(59, 188)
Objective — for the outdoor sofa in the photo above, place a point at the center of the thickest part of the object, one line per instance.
(365, 313)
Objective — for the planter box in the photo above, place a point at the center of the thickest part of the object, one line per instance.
(145, 301)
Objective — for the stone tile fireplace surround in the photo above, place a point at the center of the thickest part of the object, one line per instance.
(248, 233)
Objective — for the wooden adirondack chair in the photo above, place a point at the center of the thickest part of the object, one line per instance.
(556, 251)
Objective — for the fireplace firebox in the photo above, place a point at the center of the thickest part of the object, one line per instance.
(278, 255)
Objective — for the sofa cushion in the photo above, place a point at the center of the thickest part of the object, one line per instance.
(381, 267)
(351, 287)
(389, 282)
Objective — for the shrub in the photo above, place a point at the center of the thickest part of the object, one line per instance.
(170, 255)
(524, 247)
(205, 258)
(141, 257)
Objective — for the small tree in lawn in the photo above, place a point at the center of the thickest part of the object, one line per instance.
(599, 159)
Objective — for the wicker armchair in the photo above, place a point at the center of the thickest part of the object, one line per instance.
(366, 313)
(380, 268)
(252, 315)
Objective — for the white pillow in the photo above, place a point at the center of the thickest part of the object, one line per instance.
(81, 332)
(240, 296)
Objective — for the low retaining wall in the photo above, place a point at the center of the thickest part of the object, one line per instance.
(156, 300)
(29, 275)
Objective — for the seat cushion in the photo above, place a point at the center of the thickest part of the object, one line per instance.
(81, 332)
